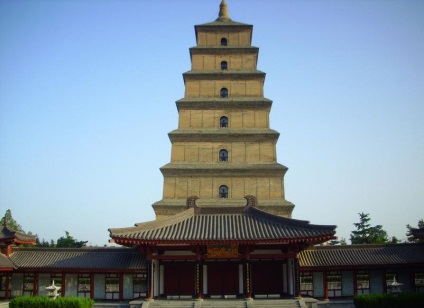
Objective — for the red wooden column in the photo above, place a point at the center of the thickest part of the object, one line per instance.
(35, 288)
(325, 285)
(384, 282)
(121, 286)
(355, 283)
(63, 285)
(149, 279)
(91, 285)
(297, 293)
(7, 290)
(199, 279)
(248, 279)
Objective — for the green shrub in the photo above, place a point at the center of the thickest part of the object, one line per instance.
(45, 302)
(410, 300)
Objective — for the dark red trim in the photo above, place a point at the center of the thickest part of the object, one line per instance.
(358, 267)
(301, 240)
(205, 257)
(78, 270)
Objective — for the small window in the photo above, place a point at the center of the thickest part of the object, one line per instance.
(223, 155)
(84, 285)
(419, 282)
(306, 284)
(224, 41)
(112, 286)
(224, 92)
(224, 65)
(223, 191)
(363, 283)
(28, 285)
(334, 284)
(223, 122)
(139, 285)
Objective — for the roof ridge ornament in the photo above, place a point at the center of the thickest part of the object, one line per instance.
(191, 202)
(251, 201)
(223, 12)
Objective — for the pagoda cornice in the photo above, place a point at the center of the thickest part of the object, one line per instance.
(184, 169)
(234, 25)
(223, 74)
(223, 135)
(217, 103)
(223, 49)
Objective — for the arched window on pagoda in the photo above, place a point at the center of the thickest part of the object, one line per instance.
(224, 42)
(224, 92)
(223, 155)
(224, 65)
(223, 122)
(223, 191)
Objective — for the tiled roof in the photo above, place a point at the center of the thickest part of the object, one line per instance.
(8, 234)
(247, 224)
(5, 263)
(362, 255)
(78, 258)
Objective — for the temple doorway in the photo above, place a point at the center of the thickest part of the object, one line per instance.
(267, 278)
(179, 278)
(223, 278)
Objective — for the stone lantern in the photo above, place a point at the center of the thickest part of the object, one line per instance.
(53, 291)
(394, 287)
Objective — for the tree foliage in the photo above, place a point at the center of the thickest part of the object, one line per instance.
(10, 221)
(409, 234)
(68, 241)
(366, 234)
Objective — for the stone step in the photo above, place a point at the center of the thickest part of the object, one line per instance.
(169, 304)
(223, 303)
(274, 303)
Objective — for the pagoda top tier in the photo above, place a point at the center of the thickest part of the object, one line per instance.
(223, 18)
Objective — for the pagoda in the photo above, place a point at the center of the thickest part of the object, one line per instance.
(223, 228)
(223, 148)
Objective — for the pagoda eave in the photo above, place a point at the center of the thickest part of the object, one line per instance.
(251, 103)
(224, 135)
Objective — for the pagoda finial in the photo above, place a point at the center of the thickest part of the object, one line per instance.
(223, 12)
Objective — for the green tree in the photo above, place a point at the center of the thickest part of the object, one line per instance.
(365, 234)
(68, 241)
(44, 243)
(10, 221)
(409, 234)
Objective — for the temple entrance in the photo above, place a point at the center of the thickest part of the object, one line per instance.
(179, 278)
(223, 278)
(267, 278)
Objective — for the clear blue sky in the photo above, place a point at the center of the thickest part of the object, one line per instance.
(88, 91)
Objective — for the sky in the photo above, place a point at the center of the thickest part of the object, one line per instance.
(88, 91)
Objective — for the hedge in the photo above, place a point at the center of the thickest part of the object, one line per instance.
(46, 302)
(401, 300)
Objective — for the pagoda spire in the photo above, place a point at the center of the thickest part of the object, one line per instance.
(223, 12)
